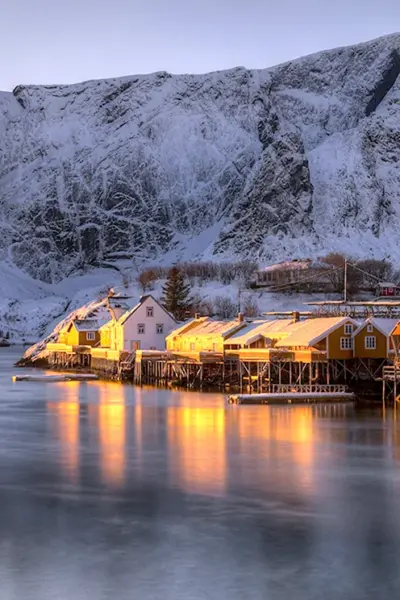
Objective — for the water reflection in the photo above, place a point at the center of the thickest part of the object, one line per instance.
(112, 433)
(197, 447)
(66, 420)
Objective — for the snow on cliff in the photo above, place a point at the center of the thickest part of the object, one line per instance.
(291, 160)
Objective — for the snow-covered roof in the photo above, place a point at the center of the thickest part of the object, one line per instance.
(288, 265)
(385, 326)
(311, 331)
(208, 326)
(89, 324)
(276, 329)
(189, 324)
(387, 284)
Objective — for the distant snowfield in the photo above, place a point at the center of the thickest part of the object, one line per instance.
(30, 310)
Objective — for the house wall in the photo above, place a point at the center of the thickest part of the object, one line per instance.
(105, 337)
(201, 343)
(127, 334)
(360, 351)
(83, 341)
(334, 350)
(72, 337)
(174, 342)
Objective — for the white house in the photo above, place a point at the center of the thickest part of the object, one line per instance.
(143, 327)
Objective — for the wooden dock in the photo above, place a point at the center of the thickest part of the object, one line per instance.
(286, 394)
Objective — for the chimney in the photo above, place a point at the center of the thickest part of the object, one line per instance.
(240, 317)
(295, 317)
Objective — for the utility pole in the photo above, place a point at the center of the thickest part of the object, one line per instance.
(345, 281)
(239, 292)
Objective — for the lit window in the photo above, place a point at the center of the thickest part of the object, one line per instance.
(150, 311)
(140, 328)
(348, 329)
(215, 347)
(346, 343)
(160, 328)
(192, 347)
(90, 336)
(370, 342)
(370, 328)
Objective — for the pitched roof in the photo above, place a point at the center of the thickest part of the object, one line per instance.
(137, 305)
(276, 329)
(385, 326)
(207, 326)
(219, 328)
(88, 324)
(311, 331)
(190, 325)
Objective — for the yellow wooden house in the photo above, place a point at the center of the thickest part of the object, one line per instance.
(372, 339)
(332, 336)
(83, 332)
(202, 335)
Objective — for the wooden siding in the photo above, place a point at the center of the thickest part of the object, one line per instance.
(360, 351)
(73, 337)
(334, 350)
(191, 343)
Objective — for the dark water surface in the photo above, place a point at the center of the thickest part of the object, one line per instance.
(109, 491)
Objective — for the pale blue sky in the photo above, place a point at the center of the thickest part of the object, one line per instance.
(64, 41)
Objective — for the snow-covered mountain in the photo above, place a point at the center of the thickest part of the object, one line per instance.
(293, 160)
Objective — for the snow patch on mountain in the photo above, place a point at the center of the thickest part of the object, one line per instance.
(297, 159)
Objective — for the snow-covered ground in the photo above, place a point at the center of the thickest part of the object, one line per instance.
(30, 310)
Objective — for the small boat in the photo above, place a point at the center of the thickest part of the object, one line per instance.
(56, 378)
(4, 343)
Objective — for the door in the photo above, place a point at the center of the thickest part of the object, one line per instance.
(135, 346)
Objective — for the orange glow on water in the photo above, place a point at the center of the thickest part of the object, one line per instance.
(196, 441)
(112, 434)
(66, 414)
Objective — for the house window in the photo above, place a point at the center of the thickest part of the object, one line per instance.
(140, 328)
(346, 343)
(370, 328)
(150, 311)
(192, 347)
(90, 336)
(215, 347)
(370, 342)
(159, 328)
(348, 329)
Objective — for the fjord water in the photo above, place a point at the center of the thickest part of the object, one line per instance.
(110, 491)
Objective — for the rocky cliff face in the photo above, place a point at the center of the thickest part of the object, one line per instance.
(298, 159)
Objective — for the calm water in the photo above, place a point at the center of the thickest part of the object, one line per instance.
(107, 491)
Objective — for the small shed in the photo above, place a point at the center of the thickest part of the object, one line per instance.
(386, 289)
(81, 332)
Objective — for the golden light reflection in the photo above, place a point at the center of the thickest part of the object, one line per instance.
(66, 414)
(112, 434)
(279, 436)
(196, 442)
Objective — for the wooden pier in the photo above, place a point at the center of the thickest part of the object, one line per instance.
(297, 393)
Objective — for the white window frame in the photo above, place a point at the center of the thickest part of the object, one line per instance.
(346, 343)
(90, 336)
(370, 328)
(160, 328)
(348, 329)
(141, 329)
(370, 342)
(149, 312)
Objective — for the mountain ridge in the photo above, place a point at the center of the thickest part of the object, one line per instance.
(297, 159)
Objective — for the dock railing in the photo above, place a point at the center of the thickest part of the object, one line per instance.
(285, 388)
